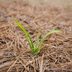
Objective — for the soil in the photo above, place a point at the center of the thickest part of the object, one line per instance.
(15, 54)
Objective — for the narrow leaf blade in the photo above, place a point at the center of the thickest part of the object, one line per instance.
(49, 33)
(27, 35)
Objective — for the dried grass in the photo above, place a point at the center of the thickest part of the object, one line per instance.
(56, 54)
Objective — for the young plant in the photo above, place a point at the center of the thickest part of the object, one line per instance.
(36, 46)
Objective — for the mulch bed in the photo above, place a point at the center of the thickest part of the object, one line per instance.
(15, 54)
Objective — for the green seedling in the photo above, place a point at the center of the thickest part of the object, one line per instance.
(35, 46)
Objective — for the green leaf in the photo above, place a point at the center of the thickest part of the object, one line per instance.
(45, 36)
(38, 39)
(36, 51)
(27, 35)
(36, 46)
